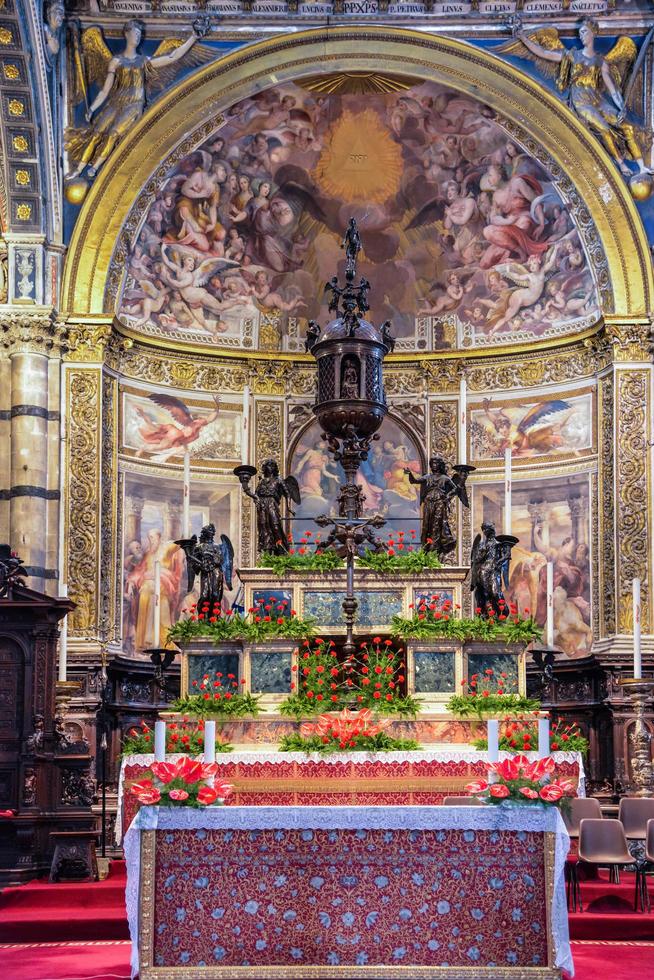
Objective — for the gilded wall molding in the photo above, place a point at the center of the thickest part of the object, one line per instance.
(82, 495)
(606, 554)
(109, 538)
(443, 430)
(411, 53)
(633, 503)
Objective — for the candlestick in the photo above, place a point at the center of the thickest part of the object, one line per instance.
(157, 605)
(160, 741)
(543, 737)
(245, 434)
(186, 499)
(549, 633)
(493, 736)
(63, 640)
(209, 741)
(463, 422)
(507, 491)
(638, 656)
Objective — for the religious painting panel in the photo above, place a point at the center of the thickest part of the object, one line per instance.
(467, 241)
(558, 425)
(152, 522)
(161, 427)
(382, 478)
(552, 520)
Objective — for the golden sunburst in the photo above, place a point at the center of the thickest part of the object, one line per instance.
(361, 162)
(355, 83)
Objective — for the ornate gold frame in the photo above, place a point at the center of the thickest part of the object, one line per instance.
(150, 972)
(518, 98)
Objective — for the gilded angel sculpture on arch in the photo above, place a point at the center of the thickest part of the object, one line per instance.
(127, 81)
(598, 85)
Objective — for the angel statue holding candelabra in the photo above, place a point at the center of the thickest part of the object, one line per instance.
(437, 489)
(271, 490)
(490, 561)
(127, 82)
(598, 85)
(214, 563)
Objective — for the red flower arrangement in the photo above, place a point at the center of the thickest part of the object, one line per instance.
(375, 677)
(522, 781)
(186, 782)
(521, 735)
(358, 730)
(317, 680)
(181, 736)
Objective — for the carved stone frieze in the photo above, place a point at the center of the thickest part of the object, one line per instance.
(633, 408)
(33, 331)
(83, 475)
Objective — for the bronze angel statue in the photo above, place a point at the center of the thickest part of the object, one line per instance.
(490, 560)
(127, 81)
(437, 489)
(271, 490)
(598, 85)
(214, 563)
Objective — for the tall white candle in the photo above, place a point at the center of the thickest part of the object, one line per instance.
(463, 422)
(209, 741)
(543, 737)
(245, 432)
(638, 656)
(186, 500)
(160, 741)
(493, 739)
(507, 491)
(157, 605)
(63, 639)
(549, 631)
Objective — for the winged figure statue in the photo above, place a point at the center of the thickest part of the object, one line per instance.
(598, 85)
(271, 490)
(214, 563)
(437, 489)
(126, 83)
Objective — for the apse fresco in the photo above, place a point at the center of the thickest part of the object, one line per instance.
(152, 522)
(466, 239)
(162, 427)
(382, 478)
(554, 426)
(552, 520)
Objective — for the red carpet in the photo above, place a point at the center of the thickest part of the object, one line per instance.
(65, 932)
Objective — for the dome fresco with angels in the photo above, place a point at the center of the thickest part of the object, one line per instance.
(467, 241)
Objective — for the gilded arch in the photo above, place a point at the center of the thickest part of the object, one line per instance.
(522, 101)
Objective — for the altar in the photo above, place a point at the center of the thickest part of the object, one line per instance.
(325, 891)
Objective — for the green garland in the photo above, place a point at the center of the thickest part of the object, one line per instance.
(254, 627)
(413, 561)
(425, 627)
(301, 561)
(205, 705)
(481, 707)
(381, 742)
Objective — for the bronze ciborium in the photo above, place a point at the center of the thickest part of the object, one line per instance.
(350, 404)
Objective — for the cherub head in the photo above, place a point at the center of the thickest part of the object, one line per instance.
(533, 263)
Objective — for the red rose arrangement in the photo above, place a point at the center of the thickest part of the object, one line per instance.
(186, 782)
(522, 781)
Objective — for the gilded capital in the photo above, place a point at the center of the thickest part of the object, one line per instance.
(629, 340)
(87, 339)
(36, 330)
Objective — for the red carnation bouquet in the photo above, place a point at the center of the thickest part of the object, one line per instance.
(186, 782)
(522, 781)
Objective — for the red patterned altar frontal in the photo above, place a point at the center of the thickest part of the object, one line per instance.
(387, 782)
(257, 898)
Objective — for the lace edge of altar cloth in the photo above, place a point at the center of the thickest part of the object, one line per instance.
(524, 818)
(251, 758)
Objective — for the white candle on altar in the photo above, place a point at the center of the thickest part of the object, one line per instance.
(638, 656)
(507, 491)
(156, 626)
(186, 500)
(209, 741)
(63, 640)
(463, 422)
(160, 741)
(549, 631)
(245, 432)
(543, 737)
(493, 736)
